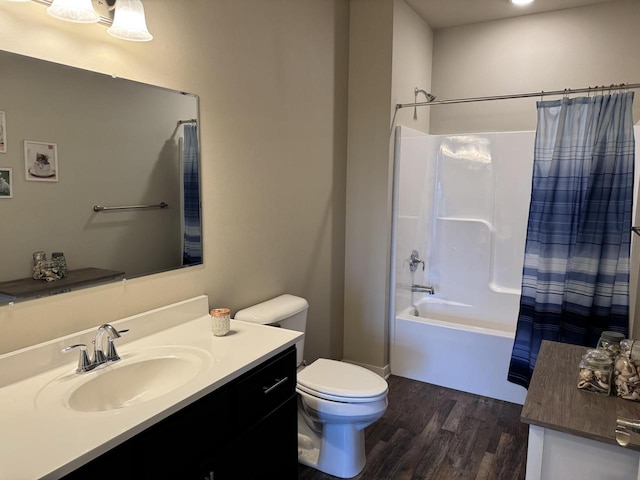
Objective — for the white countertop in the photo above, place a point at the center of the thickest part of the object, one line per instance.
(42, 437)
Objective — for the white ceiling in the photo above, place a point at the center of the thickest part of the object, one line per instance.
(450, 13)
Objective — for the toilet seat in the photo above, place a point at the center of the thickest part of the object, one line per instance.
(341, 382)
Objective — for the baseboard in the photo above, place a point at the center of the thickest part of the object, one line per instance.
(384, 372)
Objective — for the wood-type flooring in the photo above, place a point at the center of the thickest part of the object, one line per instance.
(435, 433)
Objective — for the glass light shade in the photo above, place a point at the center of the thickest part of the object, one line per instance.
(77, 11)
(521, 2)
(129, 22)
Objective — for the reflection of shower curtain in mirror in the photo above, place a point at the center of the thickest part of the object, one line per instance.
(192, 236)
(575, 280)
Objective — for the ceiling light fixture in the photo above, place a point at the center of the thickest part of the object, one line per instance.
(521, 2)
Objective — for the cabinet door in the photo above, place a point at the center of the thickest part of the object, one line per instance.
(122, 461)
(176, 447)
(266, 388)
(277, 456)
(269, 449)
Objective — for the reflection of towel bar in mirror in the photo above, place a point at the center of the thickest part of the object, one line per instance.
(100, 208)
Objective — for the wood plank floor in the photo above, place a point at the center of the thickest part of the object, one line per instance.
(429, 432)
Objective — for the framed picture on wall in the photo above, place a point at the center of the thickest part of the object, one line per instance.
(3, 133)
(6, 183)
(40, 161)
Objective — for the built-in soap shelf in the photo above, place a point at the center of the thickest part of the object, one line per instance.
(468, 219)
(493, 286)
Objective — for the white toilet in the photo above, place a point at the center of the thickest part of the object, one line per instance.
(336, 400)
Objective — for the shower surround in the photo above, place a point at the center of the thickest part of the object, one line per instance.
(462, 201)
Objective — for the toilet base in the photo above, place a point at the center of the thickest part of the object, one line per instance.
(339, 452)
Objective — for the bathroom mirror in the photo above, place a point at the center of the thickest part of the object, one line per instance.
(72, 139)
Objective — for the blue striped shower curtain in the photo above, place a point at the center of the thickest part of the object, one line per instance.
(192, 252)
(575, 281)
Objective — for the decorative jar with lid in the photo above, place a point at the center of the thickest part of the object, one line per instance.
(610, 342)
(39, 258)
(596, 368)
(59, 263)
(627, 370)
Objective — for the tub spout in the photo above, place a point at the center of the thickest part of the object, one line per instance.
(422, 289)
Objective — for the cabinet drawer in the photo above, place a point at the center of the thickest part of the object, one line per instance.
(265, 389)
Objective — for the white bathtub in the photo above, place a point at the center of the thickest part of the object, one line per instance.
(447, 346)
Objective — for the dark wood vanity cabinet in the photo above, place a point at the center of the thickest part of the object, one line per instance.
(244, 430)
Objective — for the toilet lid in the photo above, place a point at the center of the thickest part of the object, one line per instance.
(341, 381)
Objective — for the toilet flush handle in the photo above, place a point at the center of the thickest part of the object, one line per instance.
(279, 381)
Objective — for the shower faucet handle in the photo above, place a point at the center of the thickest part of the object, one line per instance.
(415, 260)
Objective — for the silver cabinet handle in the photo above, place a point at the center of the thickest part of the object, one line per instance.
(268, 390)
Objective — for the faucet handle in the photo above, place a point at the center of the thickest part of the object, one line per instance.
(415, 260)
(84, 364)
(112, 354)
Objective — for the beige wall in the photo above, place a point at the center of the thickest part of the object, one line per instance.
(390, 55)
(368, 219)
(412, 59)
(573, 48)
(272, 80)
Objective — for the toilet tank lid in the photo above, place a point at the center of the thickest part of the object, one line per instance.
(274, 310)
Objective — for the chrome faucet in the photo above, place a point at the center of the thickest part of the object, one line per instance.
(87, 363)
(99, 355)
(423, 289)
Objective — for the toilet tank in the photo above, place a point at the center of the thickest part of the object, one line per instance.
(286, 311)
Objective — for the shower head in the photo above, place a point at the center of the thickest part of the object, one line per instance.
(429, 97)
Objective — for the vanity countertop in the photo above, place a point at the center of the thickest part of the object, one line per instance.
(554, 400)
(42, 437)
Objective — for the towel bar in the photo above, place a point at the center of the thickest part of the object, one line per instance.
(100, 208)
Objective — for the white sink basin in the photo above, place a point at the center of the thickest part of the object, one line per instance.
(139, 377)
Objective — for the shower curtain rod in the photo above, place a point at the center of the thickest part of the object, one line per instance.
(191, 120)
(520, 95)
